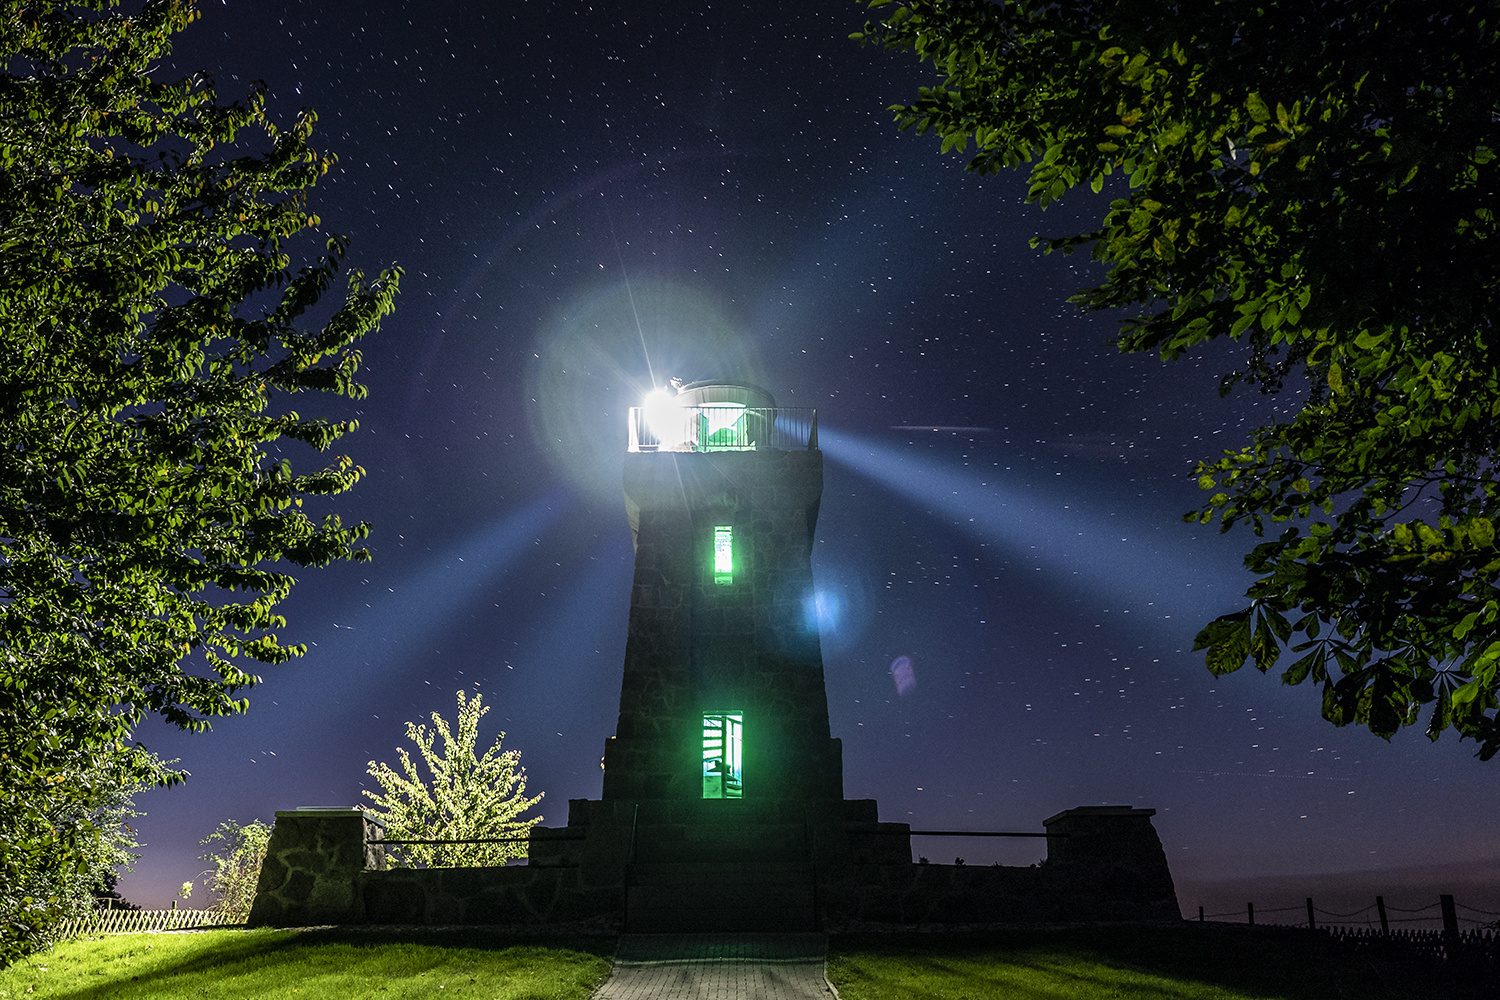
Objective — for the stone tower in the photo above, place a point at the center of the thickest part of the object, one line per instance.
(722, 697)
(722, 772)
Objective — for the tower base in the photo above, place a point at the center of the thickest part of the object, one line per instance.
(676, 867)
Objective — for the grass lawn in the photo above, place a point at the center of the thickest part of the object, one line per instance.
(312, 965)
(1188, 962)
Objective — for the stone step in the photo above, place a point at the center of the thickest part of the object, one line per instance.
(701, 898)
(763, 873)
(727, 843)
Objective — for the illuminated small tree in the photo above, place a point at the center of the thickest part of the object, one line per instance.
(469, 797)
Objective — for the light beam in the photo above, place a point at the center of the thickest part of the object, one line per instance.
(1062, 536)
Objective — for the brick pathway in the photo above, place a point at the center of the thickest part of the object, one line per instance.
(718, 967)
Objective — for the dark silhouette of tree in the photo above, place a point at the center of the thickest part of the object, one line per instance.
(1316, 181)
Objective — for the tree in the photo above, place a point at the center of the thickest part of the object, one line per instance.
(150, 340)
(236, 866)
(469, 797)
(104, 831)
(1317, 182)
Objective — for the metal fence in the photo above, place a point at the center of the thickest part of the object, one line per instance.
(1478, 941)
(723, 427)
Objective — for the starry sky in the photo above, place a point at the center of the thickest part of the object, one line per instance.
(588, 200)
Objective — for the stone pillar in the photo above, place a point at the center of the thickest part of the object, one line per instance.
(1114, 863)
(310, 874)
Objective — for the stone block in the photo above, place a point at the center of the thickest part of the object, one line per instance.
(394, 899)
(312, 861)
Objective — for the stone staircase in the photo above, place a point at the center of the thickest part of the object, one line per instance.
(708, 897)
(735, 871)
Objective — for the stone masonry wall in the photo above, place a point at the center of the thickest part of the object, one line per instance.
(313, 860)
(1105, 863)
(319, 870)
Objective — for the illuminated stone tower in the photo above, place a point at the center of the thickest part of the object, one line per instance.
(723, 698)
(723, 802)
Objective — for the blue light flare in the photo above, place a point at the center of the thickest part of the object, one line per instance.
(838, 607)
(822, 610)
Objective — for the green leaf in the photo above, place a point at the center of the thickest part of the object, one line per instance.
(1258, 110)
(1227, 640)
(1312, 665)
(1482, 532)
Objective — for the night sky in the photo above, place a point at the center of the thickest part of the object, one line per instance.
(589, 200)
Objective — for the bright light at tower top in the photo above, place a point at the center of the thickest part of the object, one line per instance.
(661, 408)
(718, 415)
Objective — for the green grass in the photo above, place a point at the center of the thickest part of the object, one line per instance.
(1188, 962)
(311, 965)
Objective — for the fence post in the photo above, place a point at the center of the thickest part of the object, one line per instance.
(1385, 925)
(1450, 925)
(1311, 925)
(1250, 909)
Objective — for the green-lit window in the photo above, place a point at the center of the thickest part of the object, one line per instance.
(721, 427)
(723, 776)
(723, 554)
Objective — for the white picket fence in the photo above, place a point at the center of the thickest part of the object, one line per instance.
(136, 921)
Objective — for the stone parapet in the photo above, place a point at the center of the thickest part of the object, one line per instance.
(521, 895)
(1116, 855)
(1106, 865)
(969, 895)
(321, 868)
(312, 862)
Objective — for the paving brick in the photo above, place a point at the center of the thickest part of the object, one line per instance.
(718, 967)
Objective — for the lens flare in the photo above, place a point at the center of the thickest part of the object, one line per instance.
(839, 606)
(822, 611)
(904, 675)
(590, 364)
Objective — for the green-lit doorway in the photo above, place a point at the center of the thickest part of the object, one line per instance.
(723, 737)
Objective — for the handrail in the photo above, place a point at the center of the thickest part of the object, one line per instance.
(477, 840)
(720, 427)
(971, 833)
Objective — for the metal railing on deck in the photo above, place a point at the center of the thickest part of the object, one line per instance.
(723, 427)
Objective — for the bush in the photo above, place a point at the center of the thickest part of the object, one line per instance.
(236, 867)
(469, 797)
